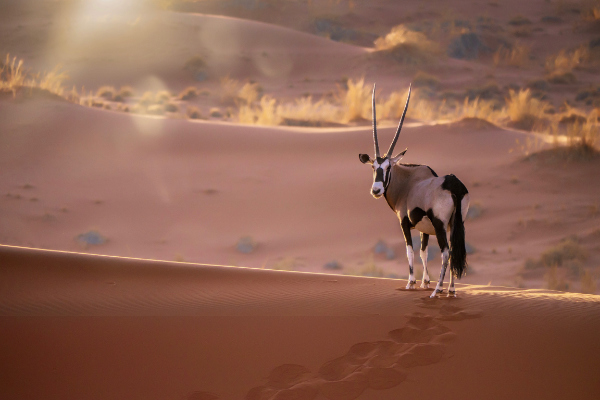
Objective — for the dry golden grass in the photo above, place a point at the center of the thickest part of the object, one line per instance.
(526, 112)
(408, 46)
(189, 93)
(517, 56)
(565, 61)
(356, 101)
(304, 109)
(13, 78)
(106, 92)
(265, 113)
(249, 92)
(12, 75)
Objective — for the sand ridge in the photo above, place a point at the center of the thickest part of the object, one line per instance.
(331, 337)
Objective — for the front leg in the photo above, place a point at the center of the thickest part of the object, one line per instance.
(424, 242)
(410, 254)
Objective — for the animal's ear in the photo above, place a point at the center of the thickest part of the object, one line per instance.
(365, 159)
(398, 157)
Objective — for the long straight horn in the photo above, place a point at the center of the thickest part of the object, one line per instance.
(389, 153)
(375, 126)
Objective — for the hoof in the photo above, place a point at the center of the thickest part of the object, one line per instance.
(411, 285)
(425, 284)
(451, 293)
(436, 291)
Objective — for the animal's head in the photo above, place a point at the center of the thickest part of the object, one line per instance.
(382, 165)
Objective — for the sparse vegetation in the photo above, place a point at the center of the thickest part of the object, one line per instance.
(188, 93)
(526, 112)
(106, 92)
(565, 254)
(515, 56)
(407, 46)
(193, 113)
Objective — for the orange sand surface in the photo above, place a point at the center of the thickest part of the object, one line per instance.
(98, 327)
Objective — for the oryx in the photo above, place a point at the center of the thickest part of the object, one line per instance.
(422, 200)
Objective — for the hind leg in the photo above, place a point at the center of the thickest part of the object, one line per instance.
(424, 242)
(451, 289)
(410, 254)
(440, 233)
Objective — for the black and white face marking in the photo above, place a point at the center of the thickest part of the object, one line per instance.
(381, 176)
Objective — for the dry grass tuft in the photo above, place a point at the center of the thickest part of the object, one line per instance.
(263, 114)
(526, 112)
(249, 92)
(559, 67)
(516, 56)
(407, 46)
(588, 283)
(356, 101)
(188, 93)
(193, 113)
(106, 92)
(567, 253)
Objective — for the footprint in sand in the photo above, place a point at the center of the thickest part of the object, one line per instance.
(368, 365)
(450, 312)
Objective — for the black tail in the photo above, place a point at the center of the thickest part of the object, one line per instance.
(458, 250)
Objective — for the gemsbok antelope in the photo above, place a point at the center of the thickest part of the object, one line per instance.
(421, 199)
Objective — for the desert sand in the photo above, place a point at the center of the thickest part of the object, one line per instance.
(139, 253)
(98, 327)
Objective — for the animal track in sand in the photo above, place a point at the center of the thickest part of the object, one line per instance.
(376, 365)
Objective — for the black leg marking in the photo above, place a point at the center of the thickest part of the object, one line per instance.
(406, 227)
(416, 215)
(424, 241)
(440, 230)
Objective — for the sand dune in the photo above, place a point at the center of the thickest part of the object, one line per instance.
(99, 45)
(157, 187)
(208, 332)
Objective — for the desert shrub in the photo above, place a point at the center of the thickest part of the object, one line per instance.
(126, 91)
(356, 101)
(304, 109)
(249, 93)
(515, 56)
(147, 99)
(12, 74)
(14, 77)
(171, 107)
(215, 112)
(407, 46)
(51, 81)
(526, 112)
(163, 96)
(188, 93)
(193, 113)
(565, 61)
(588, 283)
(263, 114)
(106, 92)
(564, 252)
(553, 282)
